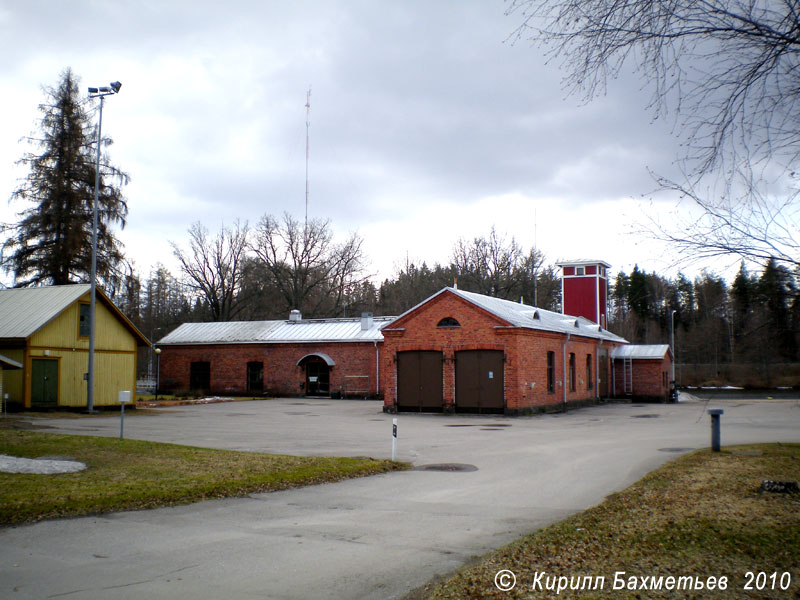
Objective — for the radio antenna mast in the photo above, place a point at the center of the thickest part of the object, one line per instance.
(535, 274)
(308, 122)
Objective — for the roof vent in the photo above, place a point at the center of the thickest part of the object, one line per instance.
(366, 321)
(295, 316)
(535, 315)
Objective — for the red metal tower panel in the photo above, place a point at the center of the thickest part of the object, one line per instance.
(580, 297)
(584, 290)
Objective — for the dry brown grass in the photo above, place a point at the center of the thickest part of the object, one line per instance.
(701, 515)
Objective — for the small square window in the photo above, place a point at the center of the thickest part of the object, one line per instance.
(580, 271)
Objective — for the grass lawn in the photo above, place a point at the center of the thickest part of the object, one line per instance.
(131, 475)
(701, 516)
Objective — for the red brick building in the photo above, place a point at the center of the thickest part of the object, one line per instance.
(314, 357)
(465, 352)
(456, 351)
(642, 371)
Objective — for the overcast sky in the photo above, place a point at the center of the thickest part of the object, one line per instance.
(427, 124)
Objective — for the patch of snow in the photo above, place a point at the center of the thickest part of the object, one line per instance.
(15, 464)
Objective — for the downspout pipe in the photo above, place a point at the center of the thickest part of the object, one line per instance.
(377, 369)
(597, 370)
(564, 368)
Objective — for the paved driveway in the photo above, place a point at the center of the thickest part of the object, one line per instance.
(377, 537)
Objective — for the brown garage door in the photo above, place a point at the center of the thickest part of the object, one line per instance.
(479, 381)
(419, 381)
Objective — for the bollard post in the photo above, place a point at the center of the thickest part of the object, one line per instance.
(394, 439)
(124, 398)
(715, 428)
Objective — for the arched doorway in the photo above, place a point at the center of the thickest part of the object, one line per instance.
(318, 373)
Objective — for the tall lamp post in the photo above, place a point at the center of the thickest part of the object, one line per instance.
(672, 349)
(113, 88)
(158, 370)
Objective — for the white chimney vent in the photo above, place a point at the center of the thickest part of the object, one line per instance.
(366, 321)
(295, 316)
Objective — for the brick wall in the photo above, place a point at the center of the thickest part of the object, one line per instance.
(525, 369)
(282, 376)
(650, 378)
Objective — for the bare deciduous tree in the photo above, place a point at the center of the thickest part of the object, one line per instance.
(740, 217)
(729, 70)
(311, 271)
(213, 267)
(728, 67)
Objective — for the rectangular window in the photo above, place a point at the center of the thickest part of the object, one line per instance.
(83, 321)
(551, 372)
(589, 380)
(580, 271)
(572, 385)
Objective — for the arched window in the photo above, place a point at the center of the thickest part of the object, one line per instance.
(448, 322)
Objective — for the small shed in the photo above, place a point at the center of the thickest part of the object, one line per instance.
(642, 371)
(46, 331)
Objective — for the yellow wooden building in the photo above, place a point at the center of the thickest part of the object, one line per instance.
(46, 330)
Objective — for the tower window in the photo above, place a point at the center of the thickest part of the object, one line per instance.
(580, 271)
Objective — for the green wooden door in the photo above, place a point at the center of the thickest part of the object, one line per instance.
(44, 383)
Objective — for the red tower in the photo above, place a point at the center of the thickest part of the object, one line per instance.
(584, 289)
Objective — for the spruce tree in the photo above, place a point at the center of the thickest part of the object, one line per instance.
(52, 241)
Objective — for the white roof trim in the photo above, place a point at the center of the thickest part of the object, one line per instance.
(328, 360)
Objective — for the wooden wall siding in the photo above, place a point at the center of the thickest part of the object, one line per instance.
(114, 372)
(62, 332)
(13, 380)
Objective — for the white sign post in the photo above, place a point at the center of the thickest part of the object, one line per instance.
(124, 398)
(394, 438)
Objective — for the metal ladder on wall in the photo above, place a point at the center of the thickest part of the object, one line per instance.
(627, 376)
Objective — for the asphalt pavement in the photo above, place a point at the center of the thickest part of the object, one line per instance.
(478, 483)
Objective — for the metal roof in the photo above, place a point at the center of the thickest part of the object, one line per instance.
(24, 311)
(530, 317)
(582, 262)
(274, 332)
(641, 352)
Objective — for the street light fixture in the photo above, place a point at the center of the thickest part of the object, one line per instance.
(95, 93)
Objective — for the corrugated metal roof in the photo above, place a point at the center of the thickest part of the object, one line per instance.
(529, 317)
(24, 311)
(641, 351)
(273, 332)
